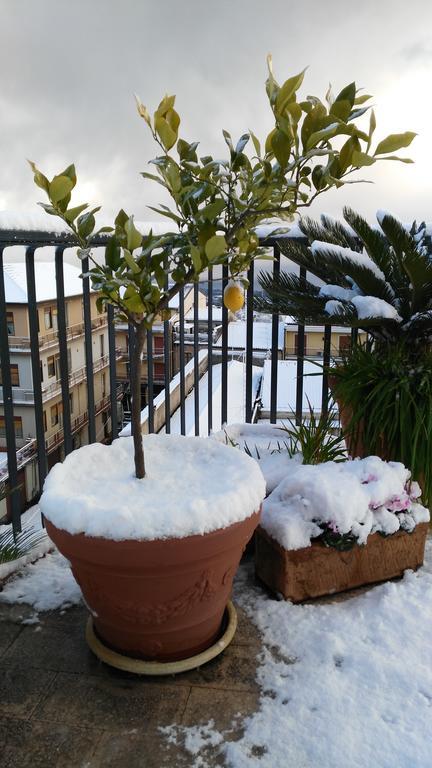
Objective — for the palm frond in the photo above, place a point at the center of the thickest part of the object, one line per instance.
(358, 267)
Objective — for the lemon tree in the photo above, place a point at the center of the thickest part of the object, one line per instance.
(217, 204)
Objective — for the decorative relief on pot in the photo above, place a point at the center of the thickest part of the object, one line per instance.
(136, 613)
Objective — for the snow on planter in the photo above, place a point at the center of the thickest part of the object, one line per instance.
(354, 498)
(193, 486)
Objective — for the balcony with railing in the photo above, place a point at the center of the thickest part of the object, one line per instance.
(47, 340)
(182, 402)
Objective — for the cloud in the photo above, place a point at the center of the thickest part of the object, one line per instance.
(69, 71)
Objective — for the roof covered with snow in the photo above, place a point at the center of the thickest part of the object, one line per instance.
(16, 281)
(262, 335)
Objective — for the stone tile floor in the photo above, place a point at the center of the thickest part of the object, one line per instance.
(60, 707)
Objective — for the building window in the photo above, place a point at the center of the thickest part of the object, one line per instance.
(10, 323)
(71, 401)
(159, 371)
(158, 343)
(14, 373)
(51, 366)
(17, 425)
(45, 421)
(344, 344)
(48, 318)
(103, 385)
(56, 413)
(102, 344)
(69, 359)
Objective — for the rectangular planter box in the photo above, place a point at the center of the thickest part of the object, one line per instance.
(317, 570)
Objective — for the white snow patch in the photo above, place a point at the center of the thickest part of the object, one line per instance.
(360, 259)
(47, 585)
(193, 486)
(337, 292)
(371, 306)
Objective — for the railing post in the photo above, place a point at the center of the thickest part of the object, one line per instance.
(15, 497)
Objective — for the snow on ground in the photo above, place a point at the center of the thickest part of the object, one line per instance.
(344, 685)
(46, 585)
(287, 386)
(236, 388)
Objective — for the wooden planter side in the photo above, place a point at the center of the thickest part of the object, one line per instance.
(317, 570)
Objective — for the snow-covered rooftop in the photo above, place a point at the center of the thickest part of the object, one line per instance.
(16, 281)
(203, 314)
(287, 386)
(262, 335)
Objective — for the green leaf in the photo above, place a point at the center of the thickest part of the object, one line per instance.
(361, 99)
(335, 129)
(399, 159)
(39, 178)
(281, 147)
(213, 210)
(347, 94)
(215, 247)
(361, 159)
(372, 126)
(395, 141)
(130, 261)
(167, 135)
(113, 253)
(287, 91)
(121, 219)
(196, 258)
(70, 173)
(48, 209)
(86, 224)
(72, 213)
(257, 145)
(59, 188)
(134, 238)
(132, 300)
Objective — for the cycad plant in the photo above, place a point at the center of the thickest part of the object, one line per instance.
(379, 280)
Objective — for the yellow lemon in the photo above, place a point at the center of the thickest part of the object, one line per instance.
(234, 296)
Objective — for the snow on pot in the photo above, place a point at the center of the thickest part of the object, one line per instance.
(155, 558)
(337, 525)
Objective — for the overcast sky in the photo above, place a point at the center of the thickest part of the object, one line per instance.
(70, 68)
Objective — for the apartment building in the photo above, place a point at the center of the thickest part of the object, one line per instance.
(314, 340)
(21, 370)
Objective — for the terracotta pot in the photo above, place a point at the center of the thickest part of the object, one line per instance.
(317, 570)
(161, 600)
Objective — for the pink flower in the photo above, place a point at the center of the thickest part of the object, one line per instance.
(399, 503)
(369, 479)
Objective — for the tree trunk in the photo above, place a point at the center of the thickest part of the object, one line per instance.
(135, 382)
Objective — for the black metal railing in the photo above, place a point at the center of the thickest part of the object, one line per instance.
(35, 240)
